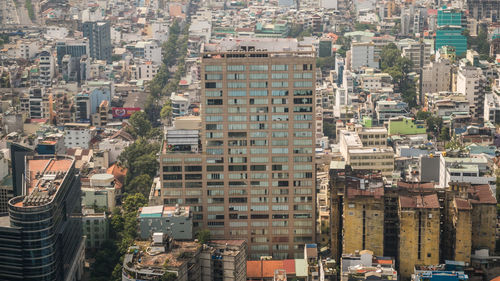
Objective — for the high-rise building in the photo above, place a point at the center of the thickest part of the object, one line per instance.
(41, 238)
(484, 9)
(451, 25)
(436, 77)
(255, 176)
(75, 48)
(419, 221)
(99, 36)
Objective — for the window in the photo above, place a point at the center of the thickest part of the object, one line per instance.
(236, 118)
(232, 85)
(279, 75)
(237, 126)
(213, 68)
(213, 126)
(302, 125)
(302, 167)
(236, 76)
(214, 102)
(258, 101)
(213, 118)
(261, 93)
(213, 93)
(258, 150)
(262, 67)
(302, 109)
(259, 159)
(237, 101)
(255, 76)
(302, 92)
(258, 134)
(213, 85)
(279, 67)
(303, 75)
(279, 84)
(213, 110)
(280, 142)
(280, 125)
(280, 150)
(302, 142)
(280, 93)
(213, 76)
(235, 68)
(237, 93)
(258, 84)
(303, 117)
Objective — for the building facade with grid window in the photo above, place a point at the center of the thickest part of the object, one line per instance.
(248, 172)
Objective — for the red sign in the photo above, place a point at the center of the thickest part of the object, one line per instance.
(124, 112)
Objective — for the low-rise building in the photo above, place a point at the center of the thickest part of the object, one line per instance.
(77, 135)
(150, 260)
(101, 193)
(386, 110)
(406, 126)
(175, 221)
(95, 228)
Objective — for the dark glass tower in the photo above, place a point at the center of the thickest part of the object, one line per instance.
(41, 239)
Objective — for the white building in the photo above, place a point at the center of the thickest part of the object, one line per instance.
(46, 69)
(144, 70)
(419, 53)
(362, 55)
(329, 4)
(114, 147)
(388, 109)
(180, 104)
(492, 108)
(150, 51)
(77, 135)
(471, 82)
(472, 170)
(436, 77)
(159, 30)
(27, 49)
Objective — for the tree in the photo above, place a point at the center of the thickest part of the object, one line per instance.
(329, 129)
(203, 236)
(133, 202)
(168, 276)
(423, 115)
(445, 134)
(166, 110)
(326, 63)
(140, 124)
(140, 184)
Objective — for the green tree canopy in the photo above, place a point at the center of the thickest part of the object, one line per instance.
(140, 184)
(141, 126)
(203, 236)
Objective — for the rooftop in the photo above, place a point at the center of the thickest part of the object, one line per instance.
(419, 202)
(44, 176)
(257, 45)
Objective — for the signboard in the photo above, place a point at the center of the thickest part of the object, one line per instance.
(124, 112)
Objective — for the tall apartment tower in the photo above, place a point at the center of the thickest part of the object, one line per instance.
(41, 238)
(255, 173)
(419, 232)
(99, 36)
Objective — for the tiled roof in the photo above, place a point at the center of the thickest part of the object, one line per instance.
(419, 202)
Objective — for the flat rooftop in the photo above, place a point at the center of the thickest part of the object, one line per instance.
(44, 177)
(257, 45)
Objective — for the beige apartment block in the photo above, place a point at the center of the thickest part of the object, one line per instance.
(249, 172)
(419, 232)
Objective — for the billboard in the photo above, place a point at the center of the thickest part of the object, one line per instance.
(124, 112)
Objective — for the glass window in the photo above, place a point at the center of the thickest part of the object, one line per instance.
(255, 76)
(235, 68)
(213, 76)
(237, 93)
(258, 84)
(213, 93)
(261, 93)
(280, 150)
(279, 84)
(262, 67)
(279, 67)
(280, 93)
(302, 84)
(213, 68)
(279, 75)
(236, 76)
(233, 85)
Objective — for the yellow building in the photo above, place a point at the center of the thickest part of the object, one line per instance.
(419, 232)
(484, 217)
(363, 219)
(462, 225)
